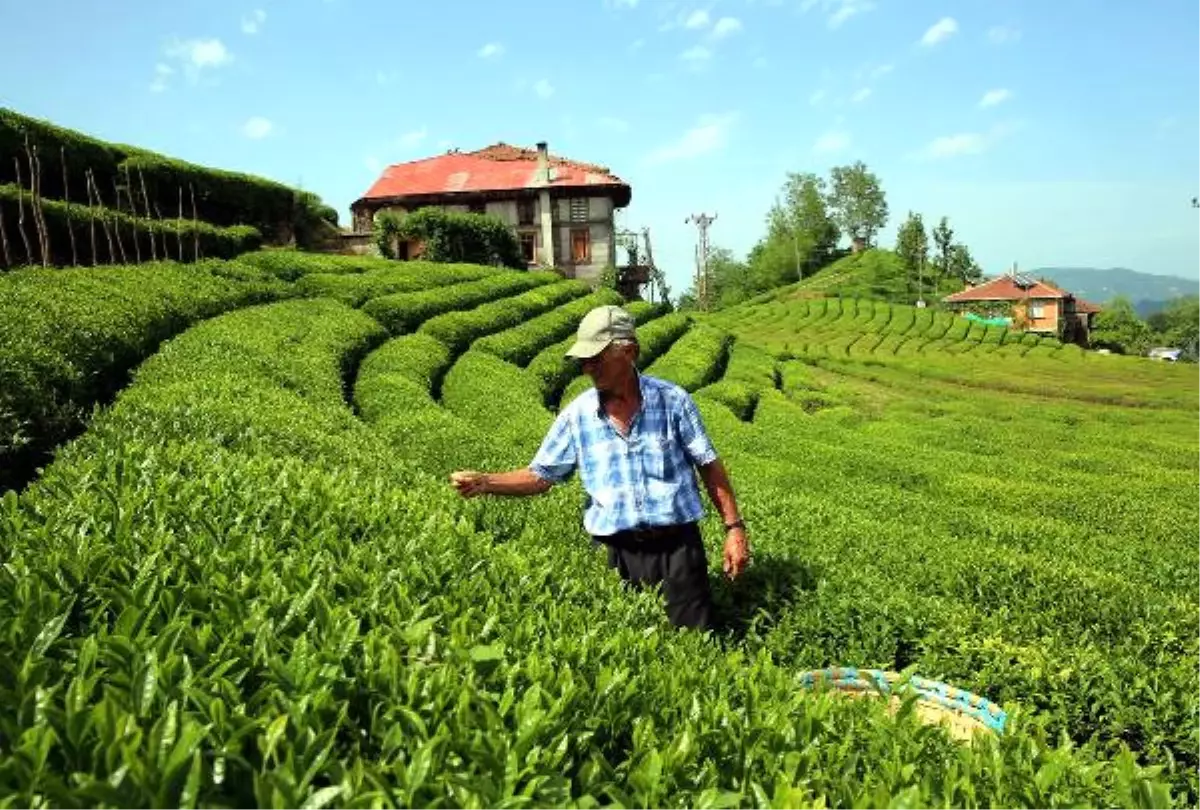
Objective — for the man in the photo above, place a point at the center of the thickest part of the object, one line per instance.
(635, 440)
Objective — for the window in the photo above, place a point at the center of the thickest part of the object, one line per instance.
(524, 212)
(1037, 311)
(581, 246)
(579, 209)
(529, 247)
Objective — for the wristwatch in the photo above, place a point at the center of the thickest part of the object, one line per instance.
(737, 524)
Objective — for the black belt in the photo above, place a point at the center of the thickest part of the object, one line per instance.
(650, 538)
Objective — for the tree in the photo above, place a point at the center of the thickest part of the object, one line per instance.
(962, 265)
(1178, 325)
(943, 239)
(912, 246)
(1118, 328)
(805, 196)
(857, 201)
(728, 282)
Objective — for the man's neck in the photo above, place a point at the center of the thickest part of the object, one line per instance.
(629, 392)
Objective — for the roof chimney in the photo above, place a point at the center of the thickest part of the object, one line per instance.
(543, 158)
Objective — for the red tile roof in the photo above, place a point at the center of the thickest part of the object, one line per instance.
(1007, 288)
(500, 167)
(1085, 306)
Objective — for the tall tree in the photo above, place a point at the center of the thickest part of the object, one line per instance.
(912, 246)
(943, 239)
(962, 265)
(857, 201)
(1117, 327)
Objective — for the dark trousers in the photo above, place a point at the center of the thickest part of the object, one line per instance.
(670, 557)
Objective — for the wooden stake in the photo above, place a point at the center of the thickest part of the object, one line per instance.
(92, 206)
(112, 254)
(21, 212)
(117, 222)
(195, 227)
(179, 225)
(62, 150)
(137, 243)
(35, 204)
(4, 241)
(149, 218)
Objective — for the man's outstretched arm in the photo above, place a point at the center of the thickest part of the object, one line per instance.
(720, 490)
(523, 481)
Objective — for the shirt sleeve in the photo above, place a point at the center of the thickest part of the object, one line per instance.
(557, 457)
(696, 444)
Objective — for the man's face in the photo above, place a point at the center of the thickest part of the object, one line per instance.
(608, 367)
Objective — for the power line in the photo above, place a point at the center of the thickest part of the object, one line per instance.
(702, 221)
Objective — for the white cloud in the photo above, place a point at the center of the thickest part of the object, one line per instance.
(412, 138)
(614, 124)
(637, 45)
(940, 30)
(162, 72)
(965, 143)
(838, 11)
(817, 97)
(879, 71)
(1000, 34)
(831, 142)
(253, 21)
(621, 3)
(862, 95)
(193, 56)
(760, 62)
(385, 77)
(373, 164)
(490, 50)
(710, 134)
(697, 19)
(543, 88)
(726, 26)
(696, 55)
(993, 97)
(257, 128)
(200, 53)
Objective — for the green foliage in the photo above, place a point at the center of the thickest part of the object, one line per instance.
(406, 311)
(521, 343)
(291, 265)
(857, 201)
(230, 591)
(222, 198)
(943, 239)
(388, 278)
(1178, 325)
(1118, 328)
(450, 236)
(912, 246)
(459, 329)
(131, 235)
(69, 339)
(695, 359)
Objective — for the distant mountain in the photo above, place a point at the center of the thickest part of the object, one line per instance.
(1149, 292)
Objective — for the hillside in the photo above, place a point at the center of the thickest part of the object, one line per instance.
(876, 273)
(1149, 292)
(68, 199)
(248, 582)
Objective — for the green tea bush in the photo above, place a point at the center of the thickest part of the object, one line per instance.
(460, 328)
(520, 344)
(167, 239)
(406, 311)
(695, 360)
(293, 265)
(397, 277)
(70, 338)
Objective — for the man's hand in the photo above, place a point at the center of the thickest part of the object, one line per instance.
(469, 483)
(737, 552)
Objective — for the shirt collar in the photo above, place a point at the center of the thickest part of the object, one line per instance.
(642, 390)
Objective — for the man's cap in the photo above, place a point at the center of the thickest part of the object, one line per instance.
(599, 328)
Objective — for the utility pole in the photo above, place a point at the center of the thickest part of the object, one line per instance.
(702, 221)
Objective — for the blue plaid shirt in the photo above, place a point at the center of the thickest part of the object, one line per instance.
(635, 481)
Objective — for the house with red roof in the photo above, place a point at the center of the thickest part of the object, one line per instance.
(562, 210)
(1033, 304)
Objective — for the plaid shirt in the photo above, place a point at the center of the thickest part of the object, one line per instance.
(636, 481)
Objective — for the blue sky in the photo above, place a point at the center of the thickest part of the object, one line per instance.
(1055, 133)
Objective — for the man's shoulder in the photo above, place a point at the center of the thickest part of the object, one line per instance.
(671, 393)
(588, 399)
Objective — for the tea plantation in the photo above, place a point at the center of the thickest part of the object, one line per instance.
(242, 577)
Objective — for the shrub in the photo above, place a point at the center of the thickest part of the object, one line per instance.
(460, 328)
(404, 312)
(131, 237)
(450, 236)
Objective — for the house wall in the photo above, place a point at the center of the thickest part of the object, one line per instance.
(598, 221)
(1050, 312)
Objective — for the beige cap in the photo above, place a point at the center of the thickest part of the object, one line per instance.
(599, 328)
